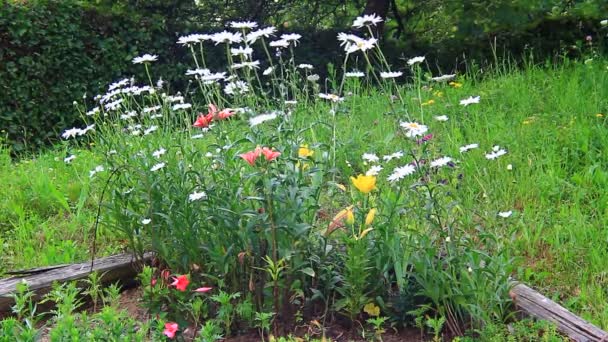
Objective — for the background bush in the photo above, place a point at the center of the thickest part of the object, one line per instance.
(52, 52)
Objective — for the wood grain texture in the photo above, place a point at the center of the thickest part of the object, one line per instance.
(111, 269)
(538, 306)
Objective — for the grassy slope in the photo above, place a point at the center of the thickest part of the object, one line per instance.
(545, 117)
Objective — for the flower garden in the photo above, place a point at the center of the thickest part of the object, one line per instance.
(281, 205)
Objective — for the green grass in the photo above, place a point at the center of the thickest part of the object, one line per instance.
(545, 116)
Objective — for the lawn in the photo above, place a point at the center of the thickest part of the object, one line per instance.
(528, 199)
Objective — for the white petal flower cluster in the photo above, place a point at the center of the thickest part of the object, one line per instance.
(227, 37)
(401, 172)
(367, 20)
(147, 58)
(470, 100)
(413, 129)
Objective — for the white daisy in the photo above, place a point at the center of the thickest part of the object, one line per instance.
(413, 129)
(370, 157)
(150, 130)
(305, 66)
(360, 45)
(415, 60)
(197, 72)
(93, 111)
(195, 196)
(354, 74)
(198, 136)
(146, 221)
(227, 37)
(98, 168)
(180, 106)
(441, 118)
(367, 20)
(256, 120)
(71, 133)
(282, 43)
(443, 161)
(69, 159)
(443, 78)
(159, 152)
(291, 37)
(193, 38)
(157, 167)
(241, 51)
(495, 154)
(147, 58)
(250, 65)
(265, 32)
(374, 170)
(236, 87)
(331, 97)
(214, 77)
(392, 74)
(392, 156)
(151, 109)
(243, 24)
(470, 100)
(267, 71)
(505, 214)
(401, 172)
(465, 148)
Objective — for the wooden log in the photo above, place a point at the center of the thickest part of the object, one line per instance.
(538, 306)
(114, 268)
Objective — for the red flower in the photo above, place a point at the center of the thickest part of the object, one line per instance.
(170, 329)
(181, 282)
(212, 109)
(203, 289)
(225, 113)
(153, 282)
(251, 156)
(203, 121)
(270, 154)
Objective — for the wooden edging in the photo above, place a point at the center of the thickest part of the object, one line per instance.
(536, 305)
(40, 280)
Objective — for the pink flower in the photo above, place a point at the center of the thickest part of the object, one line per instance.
(212, 109)
(203, 121)
(181, 282)
(203, 289)
(251, 156)
(153, 282)
(170, 329)
(269, 154)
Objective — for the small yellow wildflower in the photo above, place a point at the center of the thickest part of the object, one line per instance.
(438, 93)
(363, 233)
(372, 309)
(428, 103)
(599, 115)
(363, 183)
(304, 151)
(370, 216)
(527, 122)
(455, 84)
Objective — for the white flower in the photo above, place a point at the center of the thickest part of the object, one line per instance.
(305, 66)
(146, 221)
(236, 87)
(282, 43)
(150, 130)
(392, 74)
(195, 196)
(448, 239)
(370, 157)
(209, 155)
(468, 147)
(367, 20)
(256, 120)
(98, 168)
(505, 214)
(313, 78)
(443, 161)
(361, 45)
(71, 133)
(193, 39)
(181, 106)
(93, 111)
(415, 60)
(69, 159)
(157, 167)
(291, 37)
(198, 136)
(119, 84)
(443, 78)
(495, 154)
(250, 65)
(177, 98)
(413, 129)
(510, 167)
(392, 156)
(227, 37)
(214, 77)
(401, 172)
(197, 72)
(374, 170)
(441, 118)
(604, 22)
(265, 32)
(241, 51)
(291, 102)
(354, 74)
(243, 24)
(470, 100)
(331, 97)
(267, 71)
(159, 152)
(151, 109)
(147, 58)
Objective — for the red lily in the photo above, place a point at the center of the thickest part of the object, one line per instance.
(181, 282)
(251, 156)
(203, 121)
(269, 154)
(225, 113)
